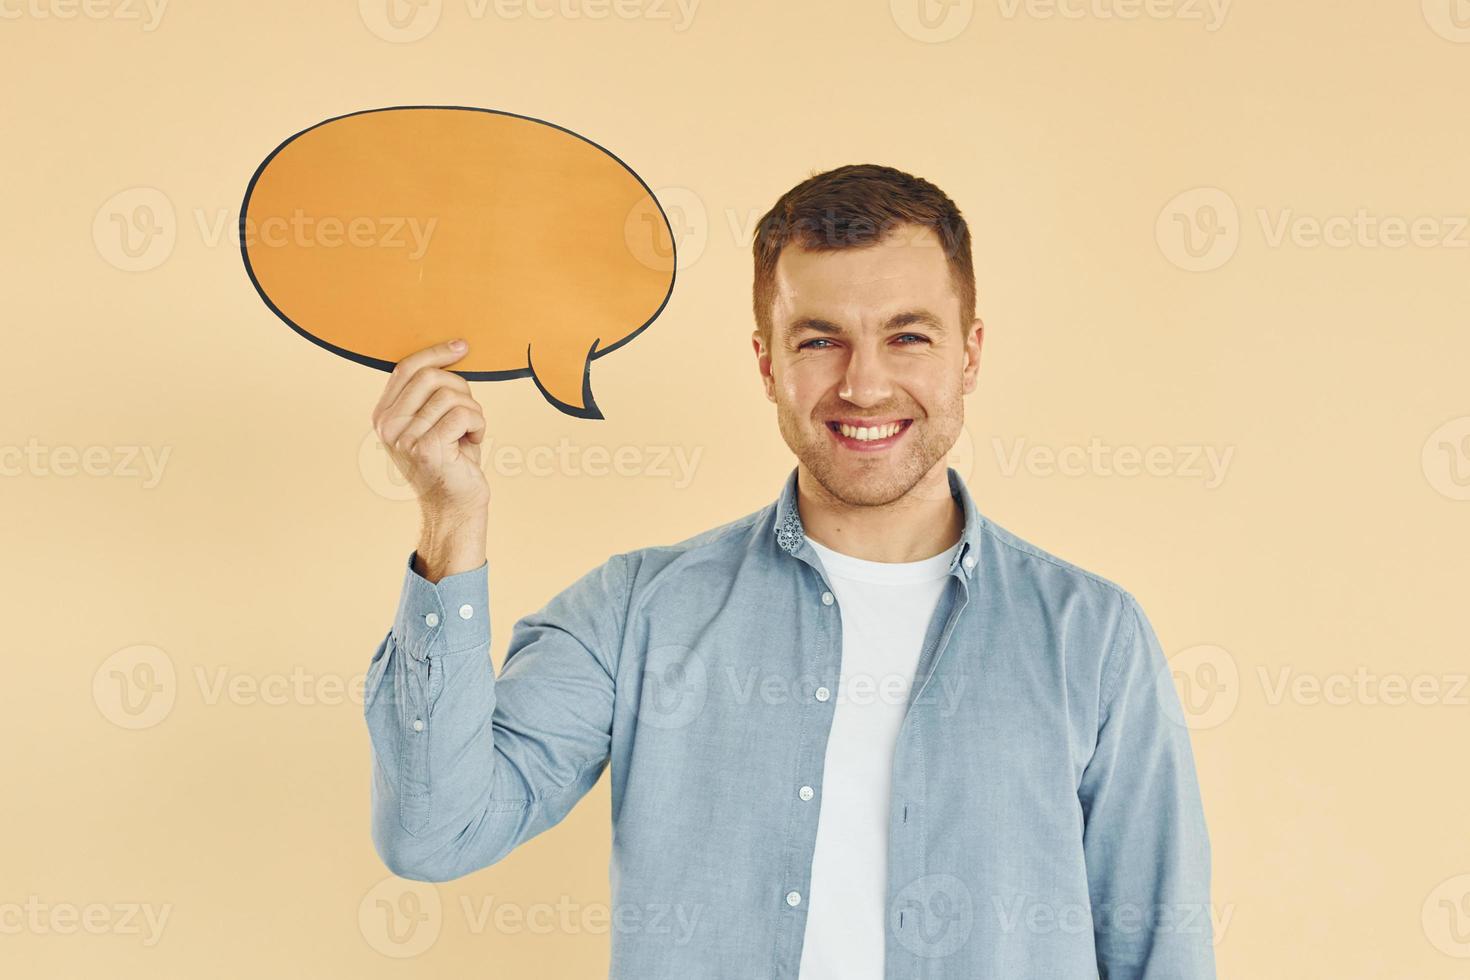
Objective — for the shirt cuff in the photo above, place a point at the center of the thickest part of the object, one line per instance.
(444, 617)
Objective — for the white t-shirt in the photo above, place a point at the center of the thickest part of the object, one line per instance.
(886, 609)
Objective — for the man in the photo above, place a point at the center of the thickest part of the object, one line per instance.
(862, 732)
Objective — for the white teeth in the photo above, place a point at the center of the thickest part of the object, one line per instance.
(867, 433)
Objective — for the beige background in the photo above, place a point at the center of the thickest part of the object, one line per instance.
(180, 734)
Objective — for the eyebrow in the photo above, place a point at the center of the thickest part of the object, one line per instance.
(907, 318)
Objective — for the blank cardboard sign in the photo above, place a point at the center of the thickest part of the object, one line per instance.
(381, 232)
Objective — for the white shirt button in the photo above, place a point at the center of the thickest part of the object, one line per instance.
(823, 694)
(826, 598)
(793, 898)
(805, 792)
(432, 619)
(418, 724)
(466, 611)
(969, 561)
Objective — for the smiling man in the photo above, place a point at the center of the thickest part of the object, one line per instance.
(862, 732)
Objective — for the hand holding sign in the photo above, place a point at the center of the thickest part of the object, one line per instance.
(536, 245)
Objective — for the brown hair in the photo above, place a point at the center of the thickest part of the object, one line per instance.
(855, 206)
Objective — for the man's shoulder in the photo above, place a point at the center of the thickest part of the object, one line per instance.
(723, 541)
(1049, 575)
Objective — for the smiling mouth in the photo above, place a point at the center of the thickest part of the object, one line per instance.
(869, 438)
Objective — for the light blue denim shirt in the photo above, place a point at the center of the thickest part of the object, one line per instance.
(1045, 820)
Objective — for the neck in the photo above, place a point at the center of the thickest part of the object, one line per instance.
(920, 524)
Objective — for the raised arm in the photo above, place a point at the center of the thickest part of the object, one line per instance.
(464, 766)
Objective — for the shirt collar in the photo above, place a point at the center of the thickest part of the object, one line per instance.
(791, 535)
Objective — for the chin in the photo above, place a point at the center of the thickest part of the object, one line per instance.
(864, 486)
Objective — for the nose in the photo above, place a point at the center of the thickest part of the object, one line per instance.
(865, 379)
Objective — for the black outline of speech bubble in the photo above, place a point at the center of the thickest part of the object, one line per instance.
(591, 411)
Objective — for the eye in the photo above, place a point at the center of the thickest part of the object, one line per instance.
(920, 336)
(819, 340)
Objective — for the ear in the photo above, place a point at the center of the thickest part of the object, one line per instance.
(972, 354)
(763, 364)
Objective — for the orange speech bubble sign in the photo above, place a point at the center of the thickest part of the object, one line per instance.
(378, 233)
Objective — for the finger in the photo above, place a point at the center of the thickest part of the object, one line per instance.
(439, 355)
(411, 427)
(454, 425)
(424, 385)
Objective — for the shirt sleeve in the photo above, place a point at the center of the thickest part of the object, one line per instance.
(466, 767)
(1146, 845)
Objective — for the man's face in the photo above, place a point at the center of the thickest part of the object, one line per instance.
(870, 336)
